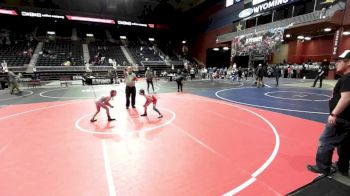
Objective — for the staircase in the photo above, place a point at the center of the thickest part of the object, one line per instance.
(162, 54)
(86, 56)
(35, 57)
(86, 53)
(109, 37)
(74, 35)
(128, 56)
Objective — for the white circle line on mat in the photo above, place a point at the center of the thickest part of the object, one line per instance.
(266, 164)
(267, 107)
(17, 97)
(145, 130)
(268, 94)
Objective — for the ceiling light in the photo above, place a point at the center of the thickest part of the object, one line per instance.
(301, 37)
(89, 35)
(151, 39)
(51, 33)
(216, 49)
(122, 37)
(327, 29)
(346, 33)
(184, 42)
(226, 48)
(288, 36)
(307, 38)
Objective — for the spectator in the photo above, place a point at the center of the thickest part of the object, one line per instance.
(298, 72)
(289, 72)
(260, 76)
(192, 73)
(239, 73)
(277, 74)
(179, 81)
(30, 52)
(338, 125)
(149, 79)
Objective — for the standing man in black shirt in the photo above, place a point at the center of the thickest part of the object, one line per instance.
(338, 125)
(277, 74)
(260, 76)
(149, 78)
(179, 80)
(320, 75)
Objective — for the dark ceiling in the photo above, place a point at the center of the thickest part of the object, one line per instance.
(125, 9)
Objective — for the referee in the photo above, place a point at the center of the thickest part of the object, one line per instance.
(130, 89)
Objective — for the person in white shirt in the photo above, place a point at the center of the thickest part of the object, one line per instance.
(192, 73)
(130, 89)
(103, 102)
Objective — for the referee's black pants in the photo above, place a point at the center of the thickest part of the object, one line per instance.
(130, 92)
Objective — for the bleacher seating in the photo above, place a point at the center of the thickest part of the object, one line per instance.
(142, 52)
(18, 53)
(58, 52)
(51, 55)
(107, 50)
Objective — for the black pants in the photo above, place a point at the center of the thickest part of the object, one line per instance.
(193, 76)
(179, 86)
(277, 79)
(332, 137)
(130, 92)
(318, 78)
(344, 154)
(148, 84)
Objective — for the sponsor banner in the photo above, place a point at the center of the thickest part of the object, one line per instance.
(260, 6)
(40, 15)
(120, 22)
(8, 12)
(246, 13)
(88, 19)
(260, 43)
(336, 41)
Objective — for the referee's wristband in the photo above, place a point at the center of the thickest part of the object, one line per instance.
(334, 115)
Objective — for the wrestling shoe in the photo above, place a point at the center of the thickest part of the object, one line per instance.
(315, 169)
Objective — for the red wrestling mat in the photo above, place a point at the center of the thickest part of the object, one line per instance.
(201, 147)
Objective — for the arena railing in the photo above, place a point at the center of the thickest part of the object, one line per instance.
(145, 63)
(316, 16)
(76, 68)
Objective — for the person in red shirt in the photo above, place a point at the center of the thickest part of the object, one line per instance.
(150, 99)
(103, 102)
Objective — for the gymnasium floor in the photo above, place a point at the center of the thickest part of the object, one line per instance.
(216, 138)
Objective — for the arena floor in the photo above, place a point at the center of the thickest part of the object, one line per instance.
(216, 138)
